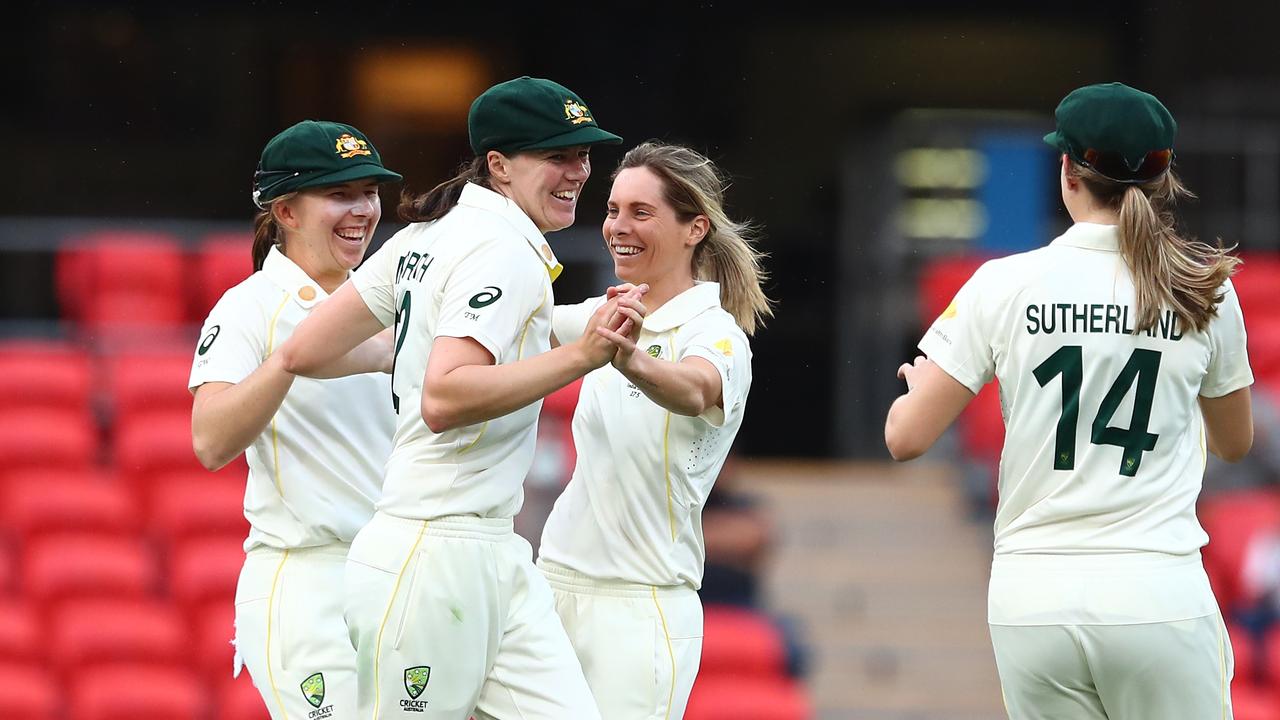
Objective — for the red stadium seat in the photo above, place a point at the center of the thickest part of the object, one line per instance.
(742, 643)
(122, 278)
(221, 262)
(1254, 702)
(981, 425)
(238, 699)
(186, 505)
(54, 476)
(1256, 284)
(1264, 348)
(89, 632)
(1246, 654)
(53, 375)
(1232, 520)
(940, 280)
(205, 570)
(138, 691)
(62, 567)
(36, 506)
(47, 439)
(30, 693)
(1270, 652)
(150, 444)
(21, 635)
(143, 381)
(8, 571)
(564, 401)
(215, 626)
(724, 698)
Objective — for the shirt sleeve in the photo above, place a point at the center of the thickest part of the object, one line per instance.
(231, 344)
(723, 344)
(375, 279)
(491, 293)
(957, 341)
(568, 321)
(1229, 356)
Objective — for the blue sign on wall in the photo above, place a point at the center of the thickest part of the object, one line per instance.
(1016, 195)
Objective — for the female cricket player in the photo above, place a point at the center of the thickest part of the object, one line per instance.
(623, 546)
(448, 613)
(1120, 351)
(315, 448)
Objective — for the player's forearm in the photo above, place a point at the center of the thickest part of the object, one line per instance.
(471, 394)
(226, 421)
(677, 386)
(372, 355)
(320, 344)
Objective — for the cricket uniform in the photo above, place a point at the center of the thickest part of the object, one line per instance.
(314, 475)
(623, 546)
(1099, 605)
(448, 614)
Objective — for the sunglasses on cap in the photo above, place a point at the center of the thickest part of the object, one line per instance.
(1113, 166)
(266, 180)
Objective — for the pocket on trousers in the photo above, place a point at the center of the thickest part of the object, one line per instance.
(407, 599)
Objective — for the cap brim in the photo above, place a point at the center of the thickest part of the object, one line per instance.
(365, 171)
(589, 135)
(1053, 139)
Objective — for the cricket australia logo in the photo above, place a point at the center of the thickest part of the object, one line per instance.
(654, 351)
(576, 113)
(313, 691)
(415, 683)
(349, 146)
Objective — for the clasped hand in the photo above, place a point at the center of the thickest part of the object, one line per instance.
(614, 329)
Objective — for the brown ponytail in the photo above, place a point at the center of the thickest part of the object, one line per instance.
(264, 236)
(266, 231)
(1169, 270)
(439, 200)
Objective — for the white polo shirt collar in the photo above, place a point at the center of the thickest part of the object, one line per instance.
(1091, 236)
(703, 296)
(286, 274)
(476, 196)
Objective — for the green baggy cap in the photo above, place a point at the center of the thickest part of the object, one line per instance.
(316, 153)
(1122, 133)
(532, 114)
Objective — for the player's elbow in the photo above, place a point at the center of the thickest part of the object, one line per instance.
(902, 447)
(692, 404)
(1235, 449)
(292, 361)
(211, 456)
(903, 444)
(438, 416)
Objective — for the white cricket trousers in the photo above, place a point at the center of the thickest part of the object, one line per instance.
(291, 635)
(1154, 671)
(450, 619)
(640, 645)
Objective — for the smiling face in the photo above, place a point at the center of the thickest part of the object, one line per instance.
(544, 183)
(648, 241)
(329, 228)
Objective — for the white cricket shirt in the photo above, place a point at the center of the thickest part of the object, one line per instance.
(633, 508)
(1104, 449)
(482, 271)
(316, 471)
